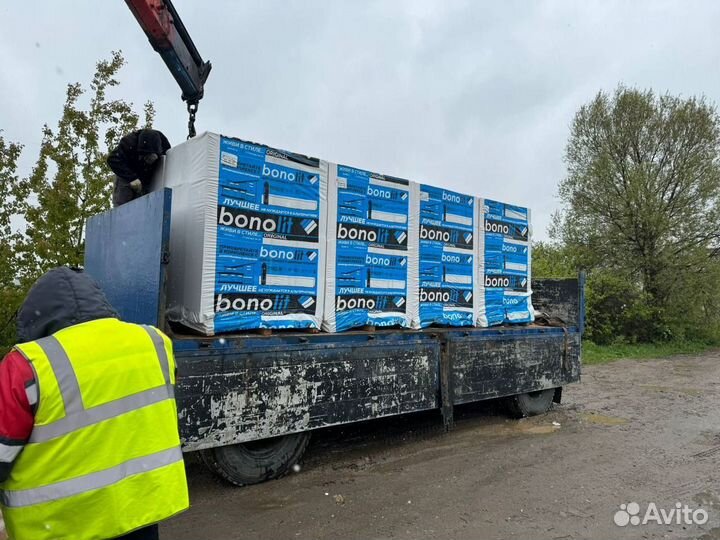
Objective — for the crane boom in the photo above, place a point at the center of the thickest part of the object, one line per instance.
(169, 37)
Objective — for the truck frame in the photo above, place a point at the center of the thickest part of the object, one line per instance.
(248, 402)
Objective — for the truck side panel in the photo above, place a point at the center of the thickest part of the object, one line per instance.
(487, 366)
(561, 299)
(237, 394)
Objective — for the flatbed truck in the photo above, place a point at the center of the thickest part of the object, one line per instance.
(249, 402)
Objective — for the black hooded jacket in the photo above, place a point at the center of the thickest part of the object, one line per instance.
(126, 159)
(61, 298)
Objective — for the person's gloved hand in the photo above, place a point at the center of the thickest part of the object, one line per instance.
(136, 186)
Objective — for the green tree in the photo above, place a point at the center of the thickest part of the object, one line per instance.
(642, 194)
(618, 309)
(693, 310)
(43, 216)
(552, 260)
(71, 181)
(9, 290)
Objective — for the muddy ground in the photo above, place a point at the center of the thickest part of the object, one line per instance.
(632, 431)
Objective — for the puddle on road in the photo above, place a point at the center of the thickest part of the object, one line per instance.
(520, 427)
(516, 427)
(462, 439)
(603, 420)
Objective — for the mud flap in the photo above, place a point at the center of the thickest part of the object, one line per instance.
(446, 387)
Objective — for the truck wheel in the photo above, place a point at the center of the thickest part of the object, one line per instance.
(531, 403)
(256, 461)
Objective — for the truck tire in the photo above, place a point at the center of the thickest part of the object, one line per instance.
(256, 461)
(531, 403)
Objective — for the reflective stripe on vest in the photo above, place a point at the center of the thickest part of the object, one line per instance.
(67, 381)
(89, 482)
(160, 350)
(76, 415)
(88, 417)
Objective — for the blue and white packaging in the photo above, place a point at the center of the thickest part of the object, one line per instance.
(247, 236)
(447, 253)
(504, 267)
(372, 263)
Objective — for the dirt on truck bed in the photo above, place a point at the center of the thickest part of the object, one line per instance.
(644, 432)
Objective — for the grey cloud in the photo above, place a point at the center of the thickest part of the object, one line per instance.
(474, 96)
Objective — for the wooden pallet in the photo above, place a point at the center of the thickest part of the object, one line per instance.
(277, 331)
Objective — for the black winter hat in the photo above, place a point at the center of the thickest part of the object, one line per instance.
(150, 142)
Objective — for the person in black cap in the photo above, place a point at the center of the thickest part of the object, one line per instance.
(134, 161)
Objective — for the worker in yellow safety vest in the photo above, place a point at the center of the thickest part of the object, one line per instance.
(89, 443)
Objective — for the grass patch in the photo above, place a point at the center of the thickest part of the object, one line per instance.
(600, 354)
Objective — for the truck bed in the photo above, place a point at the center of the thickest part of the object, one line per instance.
(238, 389)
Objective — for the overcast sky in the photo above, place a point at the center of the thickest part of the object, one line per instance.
(472, 96)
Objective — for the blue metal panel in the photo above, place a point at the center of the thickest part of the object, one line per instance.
(126, 252)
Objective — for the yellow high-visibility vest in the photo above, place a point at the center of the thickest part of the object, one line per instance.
(104, 455)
